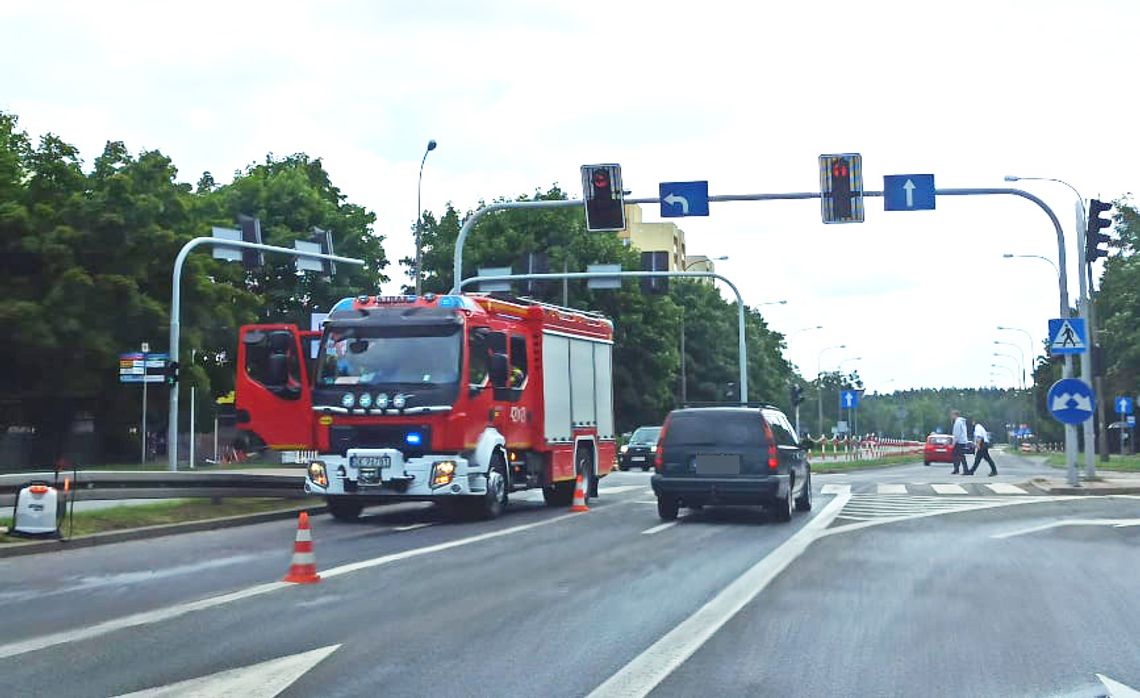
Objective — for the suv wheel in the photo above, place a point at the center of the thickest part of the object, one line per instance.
(803, 502)
(783, 508)
(667, 507)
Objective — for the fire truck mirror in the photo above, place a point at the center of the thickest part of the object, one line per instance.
(500, 370)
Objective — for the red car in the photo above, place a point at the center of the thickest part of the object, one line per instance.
(939, 449)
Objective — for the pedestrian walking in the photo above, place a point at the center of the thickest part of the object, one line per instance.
(982, 445)
(961, 438)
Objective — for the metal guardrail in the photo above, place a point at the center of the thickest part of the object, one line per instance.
(112, 485)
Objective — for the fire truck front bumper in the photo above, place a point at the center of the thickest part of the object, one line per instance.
(384, 473)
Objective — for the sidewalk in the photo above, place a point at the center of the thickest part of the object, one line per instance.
(1106, 483)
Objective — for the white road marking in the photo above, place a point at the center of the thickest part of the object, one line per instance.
(263, 680)
(619, 488)
(836, 489)
(1005, 488)
(948, 489)
(412, 527)
(1117, 689)
(648, 669)
(659, 528)
(1115, 523)
(162, 614)
(885, 488)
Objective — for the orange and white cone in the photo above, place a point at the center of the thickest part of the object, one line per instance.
(580, 495)
(303, 569)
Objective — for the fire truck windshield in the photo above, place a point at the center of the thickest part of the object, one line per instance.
(379, 356)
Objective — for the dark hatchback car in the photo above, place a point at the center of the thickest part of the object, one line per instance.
(639, 452)
(730, 455)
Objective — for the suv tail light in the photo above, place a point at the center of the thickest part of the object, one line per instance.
(659, 452)
(773, 460)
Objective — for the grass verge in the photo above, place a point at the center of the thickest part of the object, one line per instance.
(177, 511)
(846, 465)
(1116, 463)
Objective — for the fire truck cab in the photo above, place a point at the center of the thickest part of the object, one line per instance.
(457, 399)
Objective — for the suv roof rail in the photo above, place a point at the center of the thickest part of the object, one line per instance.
(761, 405)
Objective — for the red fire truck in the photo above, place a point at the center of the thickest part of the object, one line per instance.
(455, 399)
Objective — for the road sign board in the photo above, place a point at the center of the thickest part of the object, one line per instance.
(1131, 420)
(841, 187)
(229, 254)
(605, 281)
(1123, 405)
(1070, 400)
(1068, 336)
(684, 199)
(492, 286)
(849, 399)
(908, 192)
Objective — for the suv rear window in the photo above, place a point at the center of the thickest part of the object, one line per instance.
(715, 427)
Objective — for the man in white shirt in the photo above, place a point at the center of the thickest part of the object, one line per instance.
(982, 441)
(961, 438)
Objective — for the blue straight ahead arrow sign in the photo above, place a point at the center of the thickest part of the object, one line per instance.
(1124, 405)
(908, 192)
(680, 199)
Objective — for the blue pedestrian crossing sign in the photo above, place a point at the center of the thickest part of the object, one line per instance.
(679, 199)
(1123, 405)
(908, 192)
(1068, 336)
(1071, 401)
(849, 399)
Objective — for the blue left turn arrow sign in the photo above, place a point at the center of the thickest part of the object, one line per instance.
(680, 199)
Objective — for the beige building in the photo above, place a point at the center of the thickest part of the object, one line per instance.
(659, 237)
(654, 237)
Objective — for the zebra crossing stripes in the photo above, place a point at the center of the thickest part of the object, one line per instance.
(948, 489)
(928, 489)
(872, 507)
(891, 488)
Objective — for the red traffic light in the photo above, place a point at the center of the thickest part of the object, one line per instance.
(601, 179)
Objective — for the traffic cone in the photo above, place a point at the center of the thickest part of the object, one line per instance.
(580, 495)
(303, 569)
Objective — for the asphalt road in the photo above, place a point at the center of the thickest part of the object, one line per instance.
(908, 594)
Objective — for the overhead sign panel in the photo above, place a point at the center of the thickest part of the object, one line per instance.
(605, 281)
(913, 192)
(680, 199)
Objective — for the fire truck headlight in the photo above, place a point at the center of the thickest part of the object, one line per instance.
(317, 473)
(365, 400)
(382, 401)
(399, 401)
(347, 400)
(442, 473)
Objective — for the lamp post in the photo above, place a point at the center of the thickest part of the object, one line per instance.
(684, 376)
(1010, 255)
(1020, 360)
(420, 218)
(1028, 337)
(1084, 309)
(819, 376)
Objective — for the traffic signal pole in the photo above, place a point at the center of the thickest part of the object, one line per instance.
(742, 342)
(1062, 276)
(176, 314)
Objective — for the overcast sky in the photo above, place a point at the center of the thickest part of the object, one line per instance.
(520, 94)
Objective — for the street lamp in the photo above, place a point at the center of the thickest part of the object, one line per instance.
(1015, 360)
(1010, 255)
(804, 329)
(1021, 359)
(772, 303)
(818, 376)
(684, 376)
(1007, 368)
(1084, 276)
(420, 218)
(1028, 336)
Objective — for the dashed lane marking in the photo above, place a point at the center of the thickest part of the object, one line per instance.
(659, 528)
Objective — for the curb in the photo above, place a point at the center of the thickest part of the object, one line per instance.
(128, 534)
(1083, 491)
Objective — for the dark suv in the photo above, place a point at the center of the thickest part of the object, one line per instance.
(638, 453)
(730, 455)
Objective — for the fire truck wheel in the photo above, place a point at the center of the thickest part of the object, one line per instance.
(495, 501)
(584, 466)
(344, 509)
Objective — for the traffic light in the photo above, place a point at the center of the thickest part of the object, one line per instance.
(797, 394)
(172, 373)
(251, 232)
(534, 263)
(1093, 237)
(324, 238)
(841, 187)
(605, 200)
(655, 261)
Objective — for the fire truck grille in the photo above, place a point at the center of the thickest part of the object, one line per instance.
(410, 439)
